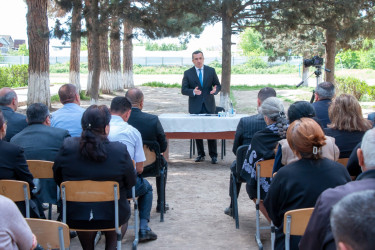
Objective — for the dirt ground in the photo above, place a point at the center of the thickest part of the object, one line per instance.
(197, 193)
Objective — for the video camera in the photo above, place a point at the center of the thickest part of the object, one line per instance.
(315, 61)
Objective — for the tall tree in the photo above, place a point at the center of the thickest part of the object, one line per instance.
(75, 45)
(128, 54)
(105, 83)
(38, 38)
(115, 47)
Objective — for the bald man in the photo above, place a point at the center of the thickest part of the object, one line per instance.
(8, 105)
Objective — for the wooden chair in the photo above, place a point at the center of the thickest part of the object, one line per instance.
(343, 161)
(295, 223)
(50, 234)
(240, 158)
(263, 170)
(42, 170)
(152, 153)
(92, 191)
(16, 191)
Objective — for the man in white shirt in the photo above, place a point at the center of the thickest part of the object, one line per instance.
(121, 131)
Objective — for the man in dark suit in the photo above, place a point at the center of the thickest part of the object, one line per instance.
(246, 129)
(201, 83)
(324, 93)
(151, 130)
(41, 142)
(9, 104)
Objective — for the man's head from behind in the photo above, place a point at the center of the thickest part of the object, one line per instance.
(8, 98)
(366, 154)
(68, 94)
(352, 221)
(324, 90)
(135, 96)
(121, 106)
(38, 113)
(264, 93)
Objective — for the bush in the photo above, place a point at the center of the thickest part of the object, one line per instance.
(257, 63)
(14, 76)
(354, 86)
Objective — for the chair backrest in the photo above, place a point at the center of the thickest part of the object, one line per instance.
(40, 169)
(50, 234)
(343, 161)
(240, 157)
(16, 191)
(150, 155)
(265, 168)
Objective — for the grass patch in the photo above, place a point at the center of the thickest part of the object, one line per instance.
(83, 95)
(258, 87)
(156, 84)
(55, 98)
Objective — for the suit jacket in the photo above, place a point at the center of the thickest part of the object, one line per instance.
(16, 122)
(318, 234)
(70, 166)
(191, 81)
(149, 126)
(246, 129)
(321, 110)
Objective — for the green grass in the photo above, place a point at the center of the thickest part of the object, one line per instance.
(82, 95)
(161, 85)
(55, 98)
(258, 87)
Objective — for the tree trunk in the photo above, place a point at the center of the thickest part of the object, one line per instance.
(330, 44)
(38, 36)
(94, 90)
(226, 54)
(75, 48)
(116, 76)
(90, 56)
(105, 84)
(128, 55)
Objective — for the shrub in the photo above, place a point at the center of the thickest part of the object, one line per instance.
(14, 76)
(257, 63)
(352, 85)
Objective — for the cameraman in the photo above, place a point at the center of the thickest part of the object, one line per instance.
(324, 93)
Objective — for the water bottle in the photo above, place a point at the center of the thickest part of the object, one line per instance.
(230, 108)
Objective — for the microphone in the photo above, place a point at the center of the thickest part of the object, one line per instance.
(299, 84)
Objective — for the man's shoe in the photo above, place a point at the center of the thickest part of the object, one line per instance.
(214, 160)
(146, 235)
(166, 208)
(72, 234)
(228, 211)
(199, 158)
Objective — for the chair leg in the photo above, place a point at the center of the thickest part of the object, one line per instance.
(273, 236)
(191, 148)
(225, 148)
(257, 219)
(235, 202)
(136, 220)
(162, 191)
(222, 149)
(49, 211)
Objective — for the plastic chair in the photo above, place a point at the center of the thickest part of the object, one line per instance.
(50, 234)
(153, 157)
(92, 191)
(263, 170)
(16, 191)
(42, 170)
(295, 223)
(240, 158)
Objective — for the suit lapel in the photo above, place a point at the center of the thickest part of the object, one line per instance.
(196, 79)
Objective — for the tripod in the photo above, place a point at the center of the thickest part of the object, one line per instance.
(318, 73)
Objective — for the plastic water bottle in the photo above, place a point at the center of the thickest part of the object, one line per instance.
(230, 108)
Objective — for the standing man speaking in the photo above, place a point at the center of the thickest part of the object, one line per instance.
(201, 83)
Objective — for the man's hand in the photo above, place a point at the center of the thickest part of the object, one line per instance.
(197, 91)
(139, 167)
(213, 91)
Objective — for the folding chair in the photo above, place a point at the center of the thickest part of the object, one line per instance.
(42, 170)
(152, 153)
(92, 191)
(295, 223)
(16, 191)
(343, 161)
(50, 234)
(240, 158)
(263, 170)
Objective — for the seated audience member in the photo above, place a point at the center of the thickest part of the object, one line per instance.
(353, 166)
(69, 116)
(246, 129)
(347, 123)
(352, 221)
(15, 233)
(93, 157)
(318, 234)
(41, 142)
(9, 105)
(262, 146)
(324, 93)
(122, 132)
(151, 130)
(371, 117)
(299, 184)
(285, 155)
(13, 166)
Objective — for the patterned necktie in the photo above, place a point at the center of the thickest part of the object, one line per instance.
(200, 77)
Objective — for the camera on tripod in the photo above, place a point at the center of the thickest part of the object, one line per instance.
(315, 61)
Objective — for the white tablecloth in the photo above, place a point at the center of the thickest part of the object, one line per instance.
(198, 123)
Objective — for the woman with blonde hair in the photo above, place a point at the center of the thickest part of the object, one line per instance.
(347, 123)
(299, 184)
